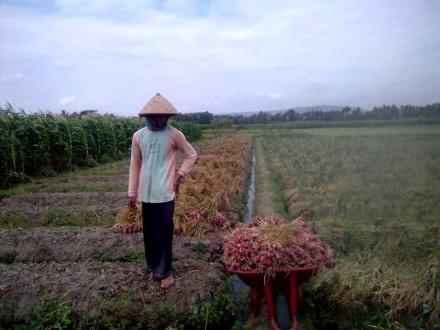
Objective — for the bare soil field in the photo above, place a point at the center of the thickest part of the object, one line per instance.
(82, 183)
(82, 266)
(57, 247)
(35, 206)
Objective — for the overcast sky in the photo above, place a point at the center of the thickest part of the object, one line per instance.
(220, 56)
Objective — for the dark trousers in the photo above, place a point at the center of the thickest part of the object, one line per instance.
(157, 219)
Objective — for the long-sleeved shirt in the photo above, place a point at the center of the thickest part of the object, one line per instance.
(153, 163)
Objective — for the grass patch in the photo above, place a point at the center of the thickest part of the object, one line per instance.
(269, 198)
(49, 184)
(15, 219)
(129, 312)
(203, 253)
(49, 313)
(219, 313)
(128, 256)
(124, 313)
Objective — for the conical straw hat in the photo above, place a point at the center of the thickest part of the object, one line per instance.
(158, 105)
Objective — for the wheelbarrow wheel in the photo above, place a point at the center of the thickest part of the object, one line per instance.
(283, 312)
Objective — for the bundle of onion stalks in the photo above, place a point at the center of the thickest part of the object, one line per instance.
(270, 244)
(127, 221)
(208, 193)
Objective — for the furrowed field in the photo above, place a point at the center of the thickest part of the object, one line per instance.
(374, 195)
(62, 266)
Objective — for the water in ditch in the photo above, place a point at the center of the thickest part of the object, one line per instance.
(251, 195)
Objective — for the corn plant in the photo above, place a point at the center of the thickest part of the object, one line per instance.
(31, 144)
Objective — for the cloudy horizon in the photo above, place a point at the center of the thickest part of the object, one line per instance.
(218, 56)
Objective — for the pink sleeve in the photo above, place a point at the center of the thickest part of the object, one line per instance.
(135, 166)
(189, 154)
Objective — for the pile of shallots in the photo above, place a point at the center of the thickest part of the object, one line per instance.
(270, 244)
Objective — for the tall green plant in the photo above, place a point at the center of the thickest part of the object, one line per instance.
(38, 143)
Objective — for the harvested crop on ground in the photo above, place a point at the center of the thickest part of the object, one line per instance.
(214, 188)
(209, 193)
(267, 246)
(128, 221)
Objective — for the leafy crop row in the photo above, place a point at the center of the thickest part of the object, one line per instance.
(43, 143)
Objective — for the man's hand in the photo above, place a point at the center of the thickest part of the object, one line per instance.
(132, 203)
(177, 181)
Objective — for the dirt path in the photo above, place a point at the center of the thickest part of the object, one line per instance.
(268, 195)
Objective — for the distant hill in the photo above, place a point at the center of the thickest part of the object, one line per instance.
(324, 108)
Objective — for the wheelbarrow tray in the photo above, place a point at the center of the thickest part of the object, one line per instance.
(279, 281)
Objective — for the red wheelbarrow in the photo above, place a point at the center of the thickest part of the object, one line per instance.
(287, 282)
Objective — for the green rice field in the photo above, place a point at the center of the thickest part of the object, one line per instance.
(374, 195)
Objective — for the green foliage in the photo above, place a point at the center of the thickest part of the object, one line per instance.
(45, 144)
(15, 219)
(128, 256)
(191, 131)
(126, 313)
(48, 172)
(220, 313)
(50, 313)
(14, 178)
(201, 118)
(321, 117)
(203, 252)
(221, 123)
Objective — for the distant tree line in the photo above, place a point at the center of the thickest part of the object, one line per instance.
(385, 112)
(202, 118)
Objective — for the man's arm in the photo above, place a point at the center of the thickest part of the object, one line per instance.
(135, 167)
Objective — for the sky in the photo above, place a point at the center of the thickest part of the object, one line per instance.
(218, 56)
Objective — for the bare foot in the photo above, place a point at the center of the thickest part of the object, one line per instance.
(166, 282)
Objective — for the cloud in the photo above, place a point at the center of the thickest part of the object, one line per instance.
(113, 55)
(12, 76)
(271, 95)
(66, 100)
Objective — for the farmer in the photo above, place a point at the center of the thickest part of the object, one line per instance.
(154, 181)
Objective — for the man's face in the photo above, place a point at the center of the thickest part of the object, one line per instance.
(160, 120)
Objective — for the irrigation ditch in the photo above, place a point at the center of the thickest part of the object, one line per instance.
(240, 290)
